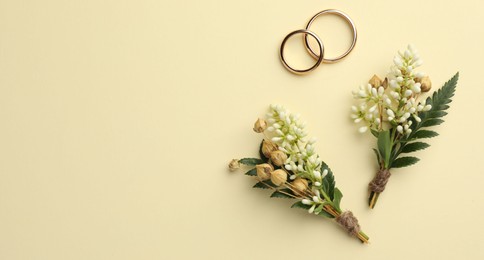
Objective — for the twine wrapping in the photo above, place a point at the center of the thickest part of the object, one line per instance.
(348, 221)
(380, 181)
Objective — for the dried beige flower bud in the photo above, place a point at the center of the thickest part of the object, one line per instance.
(268, 147)
(260, 125)
(299, 186)
(264, 171)
(234, 165)
(278, 177)
(425, 84)
(385, 83)
(278, 158)
(375, 81)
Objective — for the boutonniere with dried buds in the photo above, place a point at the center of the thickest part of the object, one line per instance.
(391, 110)
(289, 166)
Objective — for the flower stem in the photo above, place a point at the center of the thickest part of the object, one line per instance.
(377, 185)
(373, 199)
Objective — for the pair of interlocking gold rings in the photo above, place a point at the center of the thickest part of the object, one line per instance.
(318, 56)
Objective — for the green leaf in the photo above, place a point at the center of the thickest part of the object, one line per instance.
(378, 158)
(251, 161)
(412, 147)
(264, 185)
(279, 194)
(318, 209)
(431, 122)
(441, 107)
(404, 161)
(328, 181)
(252, 172)
(337, 198)
(439, 102)
(385, 146)
(425, 134)
(374, 133)
(299, 204)
(325, 214)
(436, 114)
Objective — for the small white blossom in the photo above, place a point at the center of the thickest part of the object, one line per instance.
(306, 202)
(397, 105)
(363, 129)
(317, 175)
(315, 199)
(290, 135)
(311, 210)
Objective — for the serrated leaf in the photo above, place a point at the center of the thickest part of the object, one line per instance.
(337, 198)
(412, 147)
(260, 185)
(281, 194)
(439, 101)
(441, 107)
(431, 122)
(444, 95)
(251, 161)
(300, 205)
(425, 134)
(436, 114)
(252, 172)
(385, 146)
(404, 161)
(264, 185)
(328, 181)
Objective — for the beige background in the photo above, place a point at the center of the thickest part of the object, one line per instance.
(118, 119)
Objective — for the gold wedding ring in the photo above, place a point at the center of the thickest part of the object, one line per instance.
(319, 58)
(353, 29)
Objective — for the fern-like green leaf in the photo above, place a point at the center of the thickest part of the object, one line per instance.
(439, 102)
(425, 134)
(412, 147)
(251, 172)
(404, 161)
(251, 161)
(431, 122)
(283, 193)
(264, 185)
(436, 114)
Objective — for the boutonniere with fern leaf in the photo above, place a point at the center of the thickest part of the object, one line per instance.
(289, 166)
(391, 110)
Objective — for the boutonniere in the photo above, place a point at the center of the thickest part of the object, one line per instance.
(391, 109)
(289, 166)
